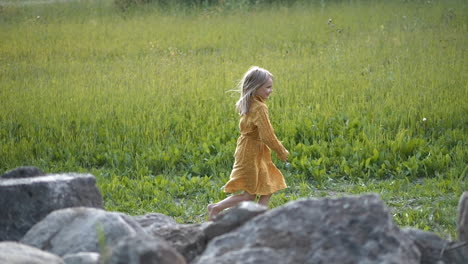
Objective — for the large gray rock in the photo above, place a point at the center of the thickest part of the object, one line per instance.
(188, 240)
(22, 172)
(75, 230)
(82, 258)
(26, 201)
(342, 230)
(232, 219)
(436, 250)
(462, 222)
(250, 256)
(16, 253)
(142, 249)
(154, 220)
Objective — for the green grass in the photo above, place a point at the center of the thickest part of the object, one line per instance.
(140, 100)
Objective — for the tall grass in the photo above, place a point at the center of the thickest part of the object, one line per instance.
(369, 96)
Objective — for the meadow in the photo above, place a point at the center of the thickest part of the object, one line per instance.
(369, 96)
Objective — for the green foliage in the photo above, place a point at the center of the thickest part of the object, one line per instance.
(103, 248)
(140, 99)
(225, 5)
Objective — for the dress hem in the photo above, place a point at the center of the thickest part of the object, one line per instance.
(239, 191)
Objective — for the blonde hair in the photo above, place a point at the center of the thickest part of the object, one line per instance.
(253, 79)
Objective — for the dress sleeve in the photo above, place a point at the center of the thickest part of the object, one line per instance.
(267, 134)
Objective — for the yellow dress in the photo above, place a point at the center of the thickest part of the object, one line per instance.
(253, 170)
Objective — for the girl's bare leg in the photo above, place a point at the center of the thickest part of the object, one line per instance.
(216, 208)
(264, 199)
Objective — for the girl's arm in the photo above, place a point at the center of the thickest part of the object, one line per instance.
(267, 133)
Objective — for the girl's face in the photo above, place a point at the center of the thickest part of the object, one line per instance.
(266, 89)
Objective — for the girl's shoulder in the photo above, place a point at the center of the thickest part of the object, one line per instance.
(258, 107)
(258, 103)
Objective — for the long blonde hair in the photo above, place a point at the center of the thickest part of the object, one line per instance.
(253, 79)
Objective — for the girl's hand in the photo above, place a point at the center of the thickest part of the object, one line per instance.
(286, 156)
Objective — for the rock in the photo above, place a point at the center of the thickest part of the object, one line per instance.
(75, 230)
(430, 245)
(82, 258)
(22, 172)
(26, 201)
(436, 250)
(142, 250)
(462, 222)
(154, 220)
(233, 218)
(342, 230)
(456, 253)
(188, 240)
(16, 253)
(251, 256)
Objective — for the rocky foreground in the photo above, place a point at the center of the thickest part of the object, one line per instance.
(60, 219)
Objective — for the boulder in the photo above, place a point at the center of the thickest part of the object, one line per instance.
(22, 172)
(154, 220)
(462, 221)
(188, 239)
(142, 249)
(251, 256)
(80, 229)
(16, 253)
(436, 250)
(342, 230)
(232, 219)
(82, 258)
(26, 201)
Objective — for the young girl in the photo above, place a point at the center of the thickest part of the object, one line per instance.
(253, 173)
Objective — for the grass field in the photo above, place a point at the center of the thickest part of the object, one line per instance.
(370, 96)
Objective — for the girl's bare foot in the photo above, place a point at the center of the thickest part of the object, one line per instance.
(212, 212)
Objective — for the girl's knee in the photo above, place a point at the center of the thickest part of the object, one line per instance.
(249, 197)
